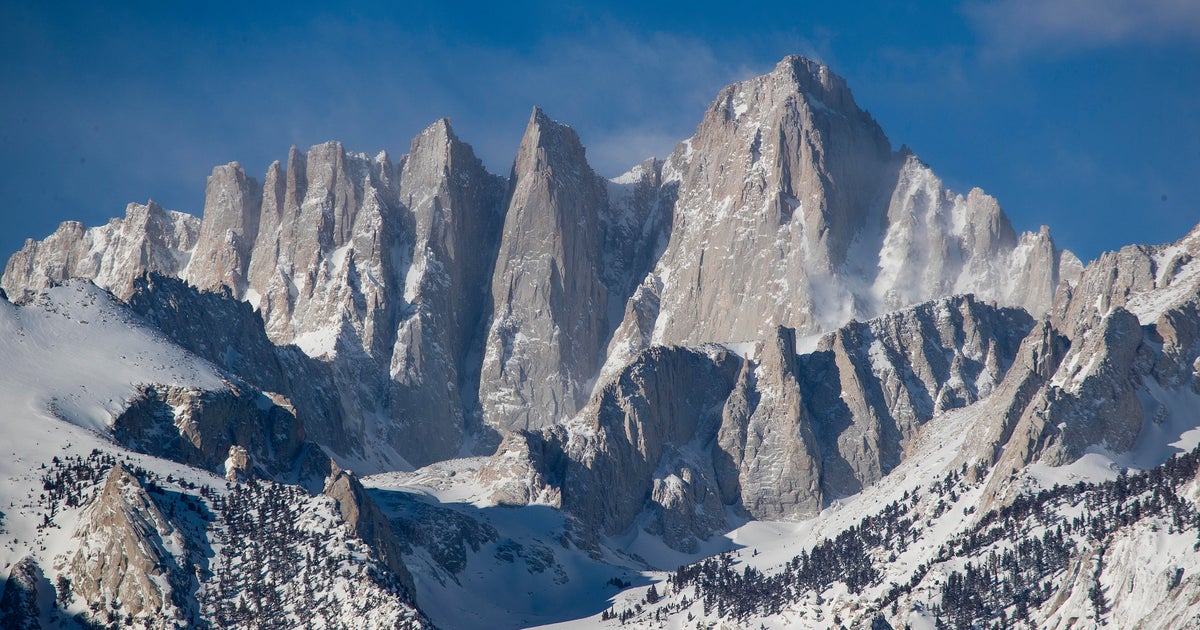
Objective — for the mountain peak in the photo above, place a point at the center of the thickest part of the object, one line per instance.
(549, 142)
(440, 128)
(815, 80)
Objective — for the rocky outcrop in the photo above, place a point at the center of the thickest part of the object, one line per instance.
(871, 386)
(1037, 361)
(230, 334)
(1145, 280)
(1091, 400)
(549, 321)
(201, 428)
(766, 438)
(685, 433)
(232, 202)
(684, 506)
(367, 523)
(638, 434)
(1131, 323)
(24, 598)
(667, 399)
(127, 555)
(148, 239)
(378, 277)
(759, 227)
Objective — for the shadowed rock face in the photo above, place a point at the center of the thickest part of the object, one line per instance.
(636, 434)
(230, 334)
(204, 428)
(871, 386)
(457, 212)
(21, 604)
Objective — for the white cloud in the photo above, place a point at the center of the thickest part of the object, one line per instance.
(1017, 27)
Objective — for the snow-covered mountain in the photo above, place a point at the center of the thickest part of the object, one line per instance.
(786, 341)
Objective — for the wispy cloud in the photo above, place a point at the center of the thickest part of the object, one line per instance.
(1011, 28)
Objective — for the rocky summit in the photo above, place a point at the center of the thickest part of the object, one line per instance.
(781, 377)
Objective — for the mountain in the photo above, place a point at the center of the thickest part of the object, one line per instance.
(782, 377)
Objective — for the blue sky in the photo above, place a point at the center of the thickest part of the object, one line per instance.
(1079, 114)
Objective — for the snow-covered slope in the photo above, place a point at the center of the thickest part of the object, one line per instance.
(75, 353)
(116, 534)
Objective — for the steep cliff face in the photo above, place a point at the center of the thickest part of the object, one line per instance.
(232, 202)
(641, 433)
(325, 269)
(148, 239)
(1120, 373)
(230, 334)
(549, 319)
(1145, 280)
(871, 386)
(760, 226)
(766, 455)
(457, 208)
(793, 210)
(642, 427)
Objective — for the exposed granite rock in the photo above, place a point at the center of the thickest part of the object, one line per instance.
(1037, 360)
(776, 435)
(126, 555)
(793, 210)
(148, 239)
(760, 227)
(549, 322)
(205, 428)
(939, 243)
(1092, 400)
(325, 266)
(238, 465)
(457, 208)
(232, 202)
(526, 469)
(684, 506)
(668, 398)
(635, 434)
(364, 518)
(230, 334)
(767, 439)
(871, 386)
